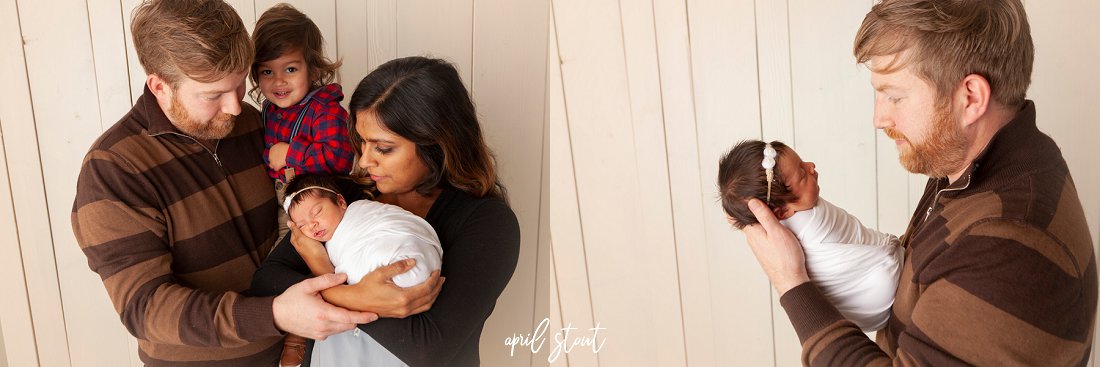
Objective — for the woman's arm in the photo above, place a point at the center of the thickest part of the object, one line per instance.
(377, 293)
(282, 268)
(477, 264)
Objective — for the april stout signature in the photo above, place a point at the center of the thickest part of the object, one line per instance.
(567, 339)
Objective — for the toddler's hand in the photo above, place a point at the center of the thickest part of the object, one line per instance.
(276, 155)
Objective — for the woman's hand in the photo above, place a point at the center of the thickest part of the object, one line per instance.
(377, 293)
(311, 250)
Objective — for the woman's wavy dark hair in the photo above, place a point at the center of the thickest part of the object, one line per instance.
(423, 100)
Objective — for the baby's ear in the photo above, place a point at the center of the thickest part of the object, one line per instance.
(341, 202)
(781, 212)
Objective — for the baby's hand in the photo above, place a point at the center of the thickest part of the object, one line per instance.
(311, 250)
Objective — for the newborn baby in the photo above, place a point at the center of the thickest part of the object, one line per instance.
(857, 268)
(359, 238)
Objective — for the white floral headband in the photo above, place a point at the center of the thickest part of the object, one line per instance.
(769, 165)
(289, 198)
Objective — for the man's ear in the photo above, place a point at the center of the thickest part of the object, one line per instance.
(160, 87)
(974, 95)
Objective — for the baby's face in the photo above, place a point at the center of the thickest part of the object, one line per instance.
(801, 179)
(318, 216)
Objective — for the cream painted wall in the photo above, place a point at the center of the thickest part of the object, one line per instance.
(70, 72)
(3, 350)
(644, 96)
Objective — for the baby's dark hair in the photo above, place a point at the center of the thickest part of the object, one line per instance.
(306, 180)
(741, 177)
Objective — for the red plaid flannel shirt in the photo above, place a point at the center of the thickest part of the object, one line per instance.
(321, 145)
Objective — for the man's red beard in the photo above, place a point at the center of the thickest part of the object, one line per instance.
(217, 128)
(942, 152)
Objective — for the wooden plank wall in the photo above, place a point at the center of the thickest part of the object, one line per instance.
(644, 98)
(71, 72)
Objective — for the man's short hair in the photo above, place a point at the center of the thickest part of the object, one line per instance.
(204, 40)
(943, 41)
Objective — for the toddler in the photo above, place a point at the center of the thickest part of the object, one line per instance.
(304, 124)
(359, 237)
(857, 268)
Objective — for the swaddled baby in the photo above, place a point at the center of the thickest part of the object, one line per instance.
(856, 268)
(360, 237)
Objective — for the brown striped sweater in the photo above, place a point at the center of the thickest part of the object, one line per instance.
(999, 271)
(175, 231)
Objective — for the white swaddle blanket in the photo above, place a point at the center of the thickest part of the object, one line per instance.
(856, 268)
(372, 235)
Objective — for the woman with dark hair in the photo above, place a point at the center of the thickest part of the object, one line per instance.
(416, 133)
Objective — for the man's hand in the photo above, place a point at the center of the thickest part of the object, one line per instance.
(300, 310)
(377, 292)
(276, 155)
(776, 249)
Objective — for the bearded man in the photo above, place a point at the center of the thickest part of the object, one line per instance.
(999, 267)
(175, 211)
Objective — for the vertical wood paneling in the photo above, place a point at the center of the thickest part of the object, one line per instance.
(509, 89)
(547, 304)
(832, 121)
(381, 32)
(246, 9)
(351, 45)
(60, 99)
(677, 98)
(83, 297)
(774, 68)
(19, 196)
(777, 123)
(137, 74)
(440, 29)
(109, 48)
(654, 216)
(544, 271)
(544, 358)
(832, 100)
(895, 203)
(3, 349)
(727, 109)
(627, 269)
(568, 242)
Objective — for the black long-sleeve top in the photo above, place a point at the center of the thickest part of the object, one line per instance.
(480, 239)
